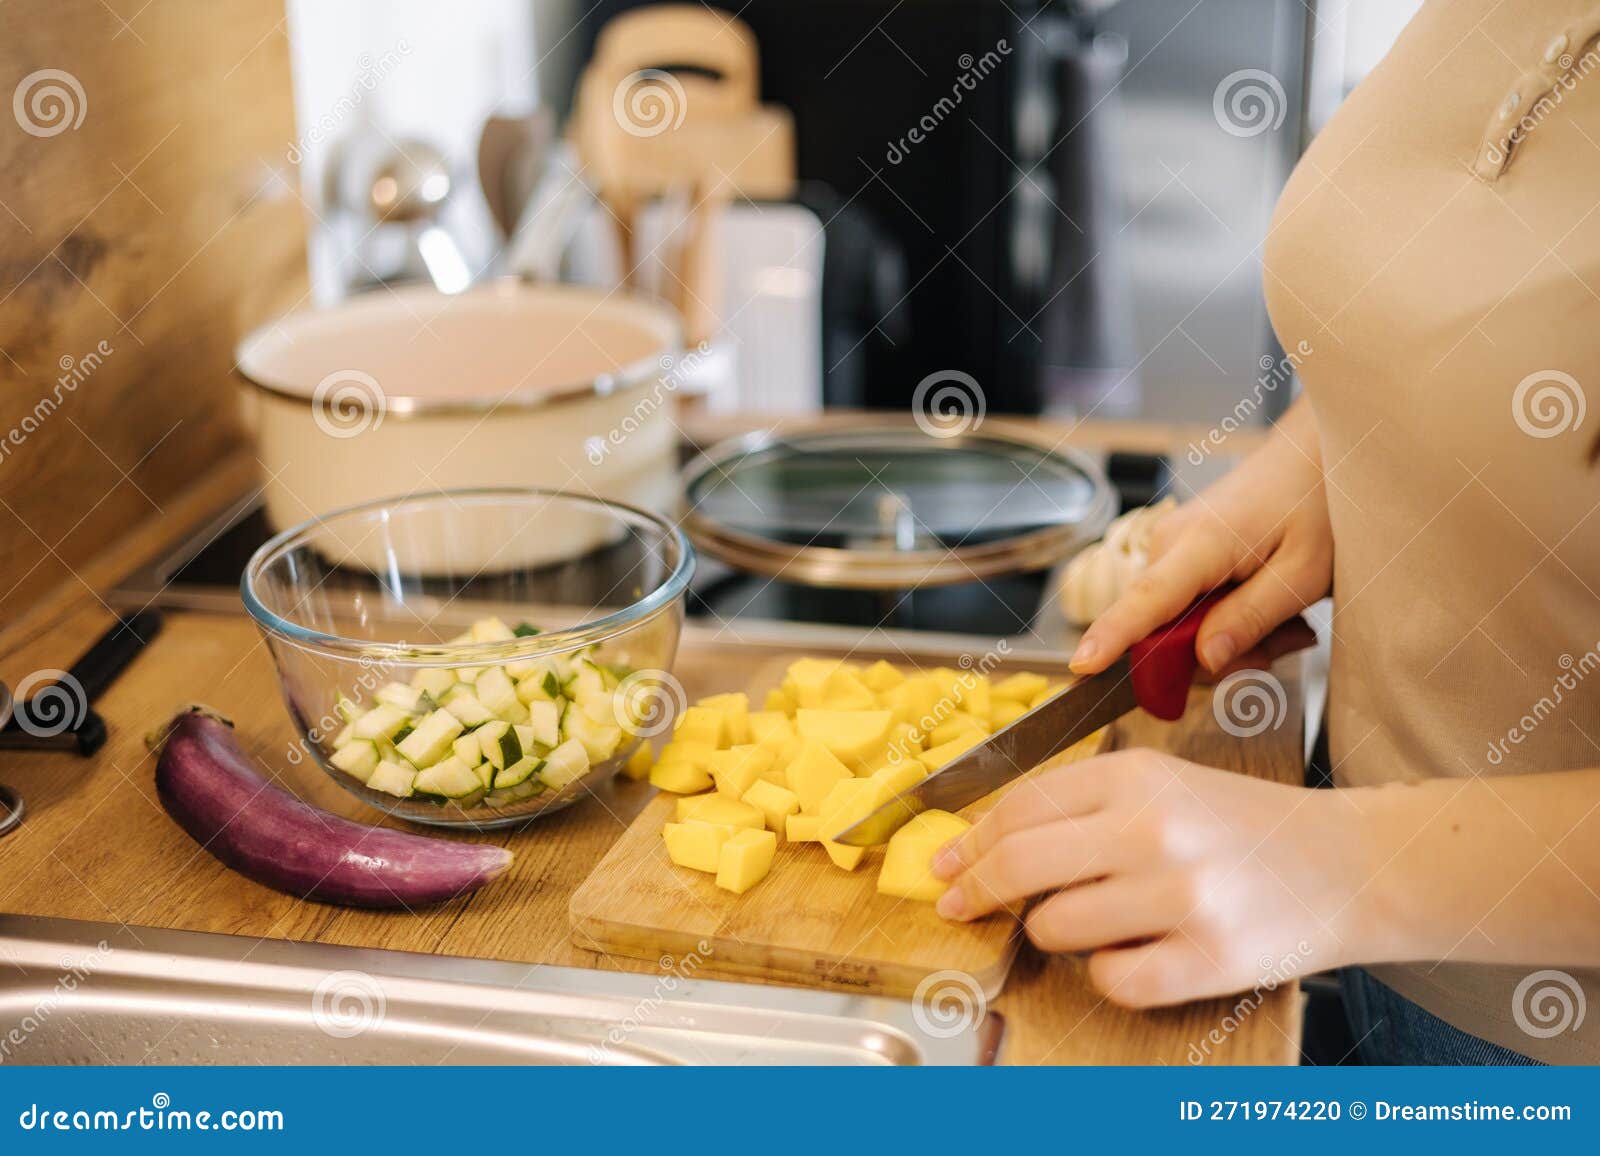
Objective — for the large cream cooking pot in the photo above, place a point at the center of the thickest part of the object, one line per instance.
(406, 391)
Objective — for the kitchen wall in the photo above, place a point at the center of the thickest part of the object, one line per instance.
(148, 218)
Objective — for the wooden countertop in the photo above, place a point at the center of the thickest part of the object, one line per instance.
(96, 844)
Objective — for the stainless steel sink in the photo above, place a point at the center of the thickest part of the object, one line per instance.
(92, 993)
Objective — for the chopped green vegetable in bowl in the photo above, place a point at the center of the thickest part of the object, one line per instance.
(362, 610)
(487, 736)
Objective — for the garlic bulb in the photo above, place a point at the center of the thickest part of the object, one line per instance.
(1098, 575)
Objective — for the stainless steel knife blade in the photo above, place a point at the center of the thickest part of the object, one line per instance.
(1047, 729)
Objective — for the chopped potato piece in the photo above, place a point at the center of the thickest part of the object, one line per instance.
(801, 828)
(679, 777)
(813, 773)
(1023, 688)
(908, 860)
(844, 690)
(639, 763)
(976, 695)
(778, 700)
(806, 678)
(957, 727)
(913, 701)
(735, 711)
(847, 803)
(905, 738)
(736, 769)
(719, 809)
(881, 676)
(745, 860)
(770, 729)
(901, 777)
(702, 724)
(851, 735)
(697, 755)
(935, 757)
(1005, 711)
(697, 845)
(776, 803)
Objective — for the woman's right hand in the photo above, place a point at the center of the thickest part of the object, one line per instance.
(1263, 525)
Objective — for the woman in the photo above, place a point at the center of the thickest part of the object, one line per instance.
(1438, 252)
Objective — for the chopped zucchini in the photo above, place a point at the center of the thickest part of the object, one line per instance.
(568, 763)
(495, 690)
(357, 758)
(407, 698)
(539, 682)
(544, 720)
(382, 721)
(434, 681)
(466, 749)
(393, 779)
(430, 740)
(462, 703)
(599, 740)
(449, 777)
(346, 735)
(524, 630)
(491, 630)
(500, 745)
(517, 772)
(589, 683)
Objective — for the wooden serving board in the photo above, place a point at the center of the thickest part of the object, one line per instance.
(807, 921)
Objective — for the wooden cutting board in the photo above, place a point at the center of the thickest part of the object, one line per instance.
(806, 922)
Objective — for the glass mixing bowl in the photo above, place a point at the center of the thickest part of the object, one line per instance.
(448, 657)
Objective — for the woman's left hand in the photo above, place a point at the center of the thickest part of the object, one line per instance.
(1183, 881)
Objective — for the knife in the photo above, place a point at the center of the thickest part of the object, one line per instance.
(1155, 674)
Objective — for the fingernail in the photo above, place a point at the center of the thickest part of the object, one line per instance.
(951, 905)
(947, 862)
(1216, 651)
(1085, 653)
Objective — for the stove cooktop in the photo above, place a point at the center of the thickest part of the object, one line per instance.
(203, 573)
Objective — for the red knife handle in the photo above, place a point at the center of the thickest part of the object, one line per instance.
(1163, 663)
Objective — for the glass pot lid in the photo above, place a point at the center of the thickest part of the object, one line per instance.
(892, 507)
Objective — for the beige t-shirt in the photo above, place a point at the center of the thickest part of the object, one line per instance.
(1438, 252)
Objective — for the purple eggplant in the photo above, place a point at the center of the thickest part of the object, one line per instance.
(209, 785)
